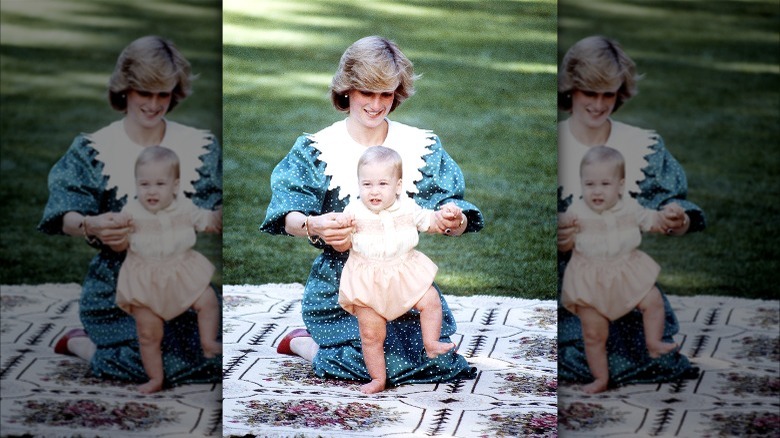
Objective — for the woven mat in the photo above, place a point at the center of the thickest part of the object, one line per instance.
(512, 342)
(735, 344)
(50, 395)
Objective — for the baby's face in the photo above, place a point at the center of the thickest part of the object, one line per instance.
(379, 186)
(155, 185)
(601, 186)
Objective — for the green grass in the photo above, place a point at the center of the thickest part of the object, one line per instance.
(712, 90)
(56, 58)
(488, 90)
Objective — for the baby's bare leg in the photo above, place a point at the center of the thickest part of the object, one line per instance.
(209, 313)
(653, 315)
(430, 323)
(595, 330)
(150, 334)
(373, 330)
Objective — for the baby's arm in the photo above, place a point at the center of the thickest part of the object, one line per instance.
(344, 221)
(126, 218)
(208, 221)
(444, 217)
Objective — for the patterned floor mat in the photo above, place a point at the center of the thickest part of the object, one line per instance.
(50, 395)
(735, 344)
(512, 342)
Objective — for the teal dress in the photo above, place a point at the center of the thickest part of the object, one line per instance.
(315, 178)
(80, 181)
(655, 178)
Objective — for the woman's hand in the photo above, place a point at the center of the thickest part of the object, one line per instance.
(674, 220)
(449, 220)
(113, 229)
(567, 230)
(335, 229)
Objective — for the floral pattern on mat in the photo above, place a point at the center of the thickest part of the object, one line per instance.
(315, 414)
(516, 424)
(510, 341)
(50, 395)
(94, 414)
(733, 342)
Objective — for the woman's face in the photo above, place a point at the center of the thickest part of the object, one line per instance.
(379, 186)
(369, 108)
(156, 185)
(147, 108)
(592, 108)
(601, 186)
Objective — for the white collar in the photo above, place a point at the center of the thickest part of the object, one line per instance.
(118, 153)
(341, 153)
(634, 143)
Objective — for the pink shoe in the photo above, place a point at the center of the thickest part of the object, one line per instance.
(284, 345)
(61, 347)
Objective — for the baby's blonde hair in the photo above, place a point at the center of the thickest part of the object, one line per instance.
(605, 154)
(382, 155)
(156, 154)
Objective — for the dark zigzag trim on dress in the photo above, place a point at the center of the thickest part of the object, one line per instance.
(440, 418)
(258, 338)
(36, 338)
(662, 420)
(12, 363)
(234, 363)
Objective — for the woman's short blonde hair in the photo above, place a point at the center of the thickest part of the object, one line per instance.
(596, 63)
(372, 64)
(150, 63)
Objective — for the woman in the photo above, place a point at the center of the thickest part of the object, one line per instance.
(314, 182)
(597, 77)
(91, 183)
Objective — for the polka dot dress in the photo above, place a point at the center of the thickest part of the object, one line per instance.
(660, 179)
(300, 183)
(77, 183)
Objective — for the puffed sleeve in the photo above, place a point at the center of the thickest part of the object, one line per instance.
(298, 183)
(76, 183)
(443, 182)
(208, 187)
(666, 182)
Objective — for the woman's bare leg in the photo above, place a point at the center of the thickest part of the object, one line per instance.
(373, 330)
(304, 347)
(430, 323)
(653, 317)
(595, 330)
(150, 334)
(209, 314)
(82, 347)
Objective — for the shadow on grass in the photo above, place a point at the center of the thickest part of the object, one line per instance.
(56, 61)
(487, 90)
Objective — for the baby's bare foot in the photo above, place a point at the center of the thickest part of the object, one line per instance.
(150, 387)
(595, 387)
(661, 348)
(373, 387)
(438, 348)
(211, 349)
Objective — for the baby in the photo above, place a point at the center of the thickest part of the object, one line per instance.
(384, 276)
(162, 276)
(607, 276)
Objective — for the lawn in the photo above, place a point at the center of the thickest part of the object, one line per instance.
(488, 91)
(56, 59)
(711, 88)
